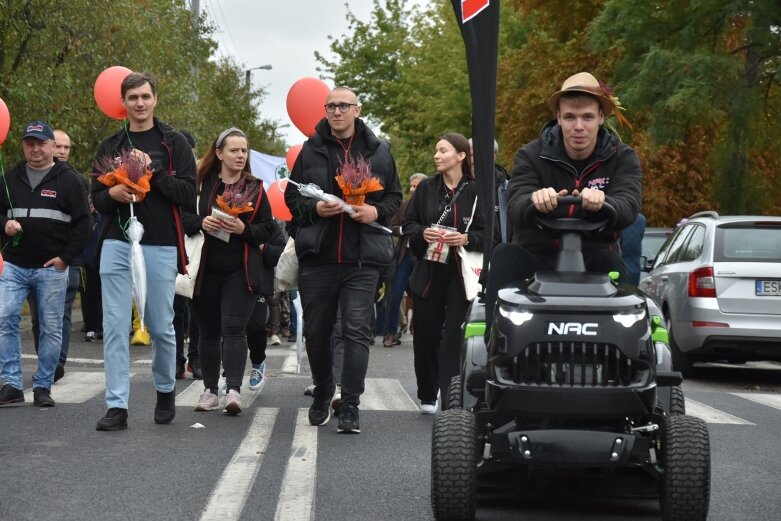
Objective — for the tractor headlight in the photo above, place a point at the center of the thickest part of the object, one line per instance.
(517, 317)
(630, 319)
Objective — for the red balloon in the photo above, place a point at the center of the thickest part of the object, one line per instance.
(108, 91)
(305, 104)
(5, 124)
(292, 155)
(276, 198)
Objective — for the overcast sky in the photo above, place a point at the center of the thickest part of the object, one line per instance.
(283, 34)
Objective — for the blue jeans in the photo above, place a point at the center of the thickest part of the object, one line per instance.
(116, 286)
(49, 285)
(400, 283)
(74, 278)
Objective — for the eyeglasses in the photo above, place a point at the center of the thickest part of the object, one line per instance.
(343, 107)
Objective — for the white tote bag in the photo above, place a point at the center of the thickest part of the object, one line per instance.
(193, 246)
(286, 272)
(471, 264)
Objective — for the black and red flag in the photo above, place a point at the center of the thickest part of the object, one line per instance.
(479, 23)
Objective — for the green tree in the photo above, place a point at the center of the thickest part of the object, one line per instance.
(703, 65)
(52, 52)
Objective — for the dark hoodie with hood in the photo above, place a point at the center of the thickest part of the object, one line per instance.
(54, 215)
(613, 168)
(340, 239)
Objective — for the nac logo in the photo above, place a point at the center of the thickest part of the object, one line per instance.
(573, 328)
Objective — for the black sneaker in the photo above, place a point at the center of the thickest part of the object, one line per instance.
(348, 419)
(320, 410)
(194, 366)
(179, 370)
(90, 336)
(10, 395)
(59, 372)
(42, 397)
(114, 420)
(165, 409)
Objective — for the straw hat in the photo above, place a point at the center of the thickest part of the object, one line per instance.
(583, 82)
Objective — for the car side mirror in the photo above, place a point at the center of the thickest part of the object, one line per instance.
(646, 263)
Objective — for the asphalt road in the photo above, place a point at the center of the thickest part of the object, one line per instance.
(269, 464)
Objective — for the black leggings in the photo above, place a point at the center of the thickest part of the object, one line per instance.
(256, 332)
(223, 309)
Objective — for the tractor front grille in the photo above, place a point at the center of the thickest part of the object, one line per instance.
(574, 364)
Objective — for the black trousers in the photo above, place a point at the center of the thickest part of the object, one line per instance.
(256, 332)
(181, 314)
(349, 288)
(511, 264)
(438, 339)
(223, 309)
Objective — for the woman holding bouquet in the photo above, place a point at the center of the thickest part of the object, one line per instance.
(436, 224)
(235, 216)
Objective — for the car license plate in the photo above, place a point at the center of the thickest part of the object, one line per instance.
(768, 288)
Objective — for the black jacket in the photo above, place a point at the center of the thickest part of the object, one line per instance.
(426, 206)
(173, 189)
(271, 252)
(259, 227)
(55, 216)
(543, 163)
(352, 242)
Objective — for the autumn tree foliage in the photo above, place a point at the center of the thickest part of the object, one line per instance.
(699, 81)
(51, 53)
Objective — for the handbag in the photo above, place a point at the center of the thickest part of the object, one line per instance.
(193, 247)
(471, 264)
(185, 283)
(286, 273)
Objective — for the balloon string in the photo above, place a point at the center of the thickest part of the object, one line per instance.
(18, 237)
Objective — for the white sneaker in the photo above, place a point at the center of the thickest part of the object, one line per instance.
(336, 401)
(428, 407)
(275, 340)
(208, 402)
(233, 402)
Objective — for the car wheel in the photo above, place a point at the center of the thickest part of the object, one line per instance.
(685, 482)
(681, 361)
(454, 466)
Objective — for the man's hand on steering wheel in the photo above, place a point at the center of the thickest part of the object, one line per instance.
(592, 199)
(545, 199)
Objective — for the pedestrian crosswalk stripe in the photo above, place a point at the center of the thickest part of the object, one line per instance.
(189, 397)
(771, 400)
(711, 415)
(291, 361)
(229, 496)
(298, 485)
(76, 387)
(386, 394)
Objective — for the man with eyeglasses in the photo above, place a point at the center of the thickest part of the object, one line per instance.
(340, 258)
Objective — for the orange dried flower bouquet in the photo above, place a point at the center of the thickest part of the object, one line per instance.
(125, 169)
(355, 180)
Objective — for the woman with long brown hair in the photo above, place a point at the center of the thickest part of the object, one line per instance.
(437, 222)
(235, 216)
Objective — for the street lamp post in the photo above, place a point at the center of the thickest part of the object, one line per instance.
(248, 74)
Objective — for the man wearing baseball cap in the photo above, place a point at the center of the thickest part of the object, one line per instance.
(44, 218)
(574, 155)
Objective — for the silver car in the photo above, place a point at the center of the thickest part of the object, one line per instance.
(717, 280)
